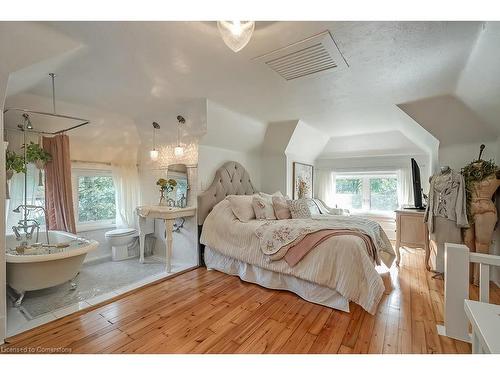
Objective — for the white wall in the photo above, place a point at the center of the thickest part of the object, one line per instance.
(459, 155)
(231, 130)
(304, 146)
(274, 160)
(211, 158)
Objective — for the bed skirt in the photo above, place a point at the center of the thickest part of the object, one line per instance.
(308, 291)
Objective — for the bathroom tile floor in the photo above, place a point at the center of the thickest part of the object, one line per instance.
(96, 283)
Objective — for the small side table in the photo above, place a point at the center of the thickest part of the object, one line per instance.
(411, 231)
(485, 321)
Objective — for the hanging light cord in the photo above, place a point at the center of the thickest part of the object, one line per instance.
(53, 76)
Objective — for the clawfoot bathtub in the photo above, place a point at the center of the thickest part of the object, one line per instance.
(39, 266)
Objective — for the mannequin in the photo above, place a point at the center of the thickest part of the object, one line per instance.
(446, 213)
(483, 212)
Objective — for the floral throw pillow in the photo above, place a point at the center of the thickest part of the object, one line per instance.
(302, 208)
(263, 208)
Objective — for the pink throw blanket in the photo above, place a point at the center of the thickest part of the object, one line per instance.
(302, 246)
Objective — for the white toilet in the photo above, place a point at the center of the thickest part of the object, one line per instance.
(120, 240)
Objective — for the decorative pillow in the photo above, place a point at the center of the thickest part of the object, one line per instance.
(302, 208)
(242, 208)
(269, 197)
(281, 209)
(262, 208)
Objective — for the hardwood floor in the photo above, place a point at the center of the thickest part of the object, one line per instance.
(209, 312)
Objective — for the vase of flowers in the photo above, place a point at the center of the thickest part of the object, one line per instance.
(166, 186)
(302, 188)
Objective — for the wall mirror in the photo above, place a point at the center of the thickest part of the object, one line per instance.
(179, 195)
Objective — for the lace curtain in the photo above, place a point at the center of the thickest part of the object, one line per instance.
(127, 193)
(325, 182)
(405, 187)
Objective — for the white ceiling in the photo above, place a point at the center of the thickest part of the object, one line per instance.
(144, 69)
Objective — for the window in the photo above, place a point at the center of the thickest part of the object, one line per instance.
(94, 196)
(367, 192)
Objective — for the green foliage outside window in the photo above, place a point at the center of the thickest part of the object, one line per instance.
(96, 198)
(383, 194)
(349, 185)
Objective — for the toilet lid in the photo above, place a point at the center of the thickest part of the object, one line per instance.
(120, 232)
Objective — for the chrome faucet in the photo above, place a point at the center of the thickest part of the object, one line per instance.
(29, 225)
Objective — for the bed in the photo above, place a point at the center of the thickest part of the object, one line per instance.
(335, 272)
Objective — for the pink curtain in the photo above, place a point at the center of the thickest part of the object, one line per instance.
(58, 192)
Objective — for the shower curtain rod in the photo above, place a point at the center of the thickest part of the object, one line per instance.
(84, 121)
(90, 162)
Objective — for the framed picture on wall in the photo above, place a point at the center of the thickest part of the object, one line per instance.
(302, 180)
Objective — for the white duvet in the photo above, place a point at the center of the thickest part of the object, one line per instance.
(340, 263)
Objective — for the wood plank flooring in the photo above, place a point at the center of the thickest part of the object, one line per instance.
(209, 312)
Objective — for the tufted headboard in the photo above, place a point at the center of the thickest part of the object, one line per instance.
(230, 179)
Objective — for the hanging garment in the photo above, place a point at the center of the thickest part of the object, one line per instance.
(447, 199)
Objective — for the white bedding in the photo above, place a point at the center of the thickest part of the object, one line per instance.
(340, 263)
(311, 292)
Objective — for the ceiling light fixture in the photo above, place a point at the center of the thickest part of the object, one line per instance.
(179, 150)
(236, 34)
(27, 122)
(153, 154)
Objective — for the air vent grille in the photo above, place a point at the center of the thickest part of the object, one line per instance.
(310, 56)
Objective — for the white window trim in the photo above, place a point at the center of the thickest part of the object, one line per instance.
(78, 171)
(365, 176)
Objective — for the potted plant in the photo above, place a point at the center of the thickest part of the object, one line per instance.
(14, 163)
(165, 186)
(37, 155)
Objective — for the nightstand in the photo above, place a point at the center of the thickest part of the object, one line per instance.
(411, 231)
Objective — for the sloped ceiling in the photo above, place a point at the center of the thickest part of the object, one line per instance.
(371, 144)
(230, 130)
(450, 120)
(479, 84)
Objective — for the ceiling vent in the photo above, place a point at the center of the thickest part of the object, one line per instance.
(313, 55)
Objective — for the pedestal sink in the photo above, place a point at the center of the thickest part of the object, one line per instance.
(168, 214)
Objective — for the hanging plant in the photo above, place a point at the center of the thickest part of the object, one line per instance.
(14, 162)
(36, 154)
(474, 172)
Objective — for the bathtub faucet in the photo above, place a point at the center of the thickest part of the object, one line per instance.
(29, 225)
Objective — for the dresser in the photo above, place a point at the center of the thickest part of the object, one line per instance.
(411, 231)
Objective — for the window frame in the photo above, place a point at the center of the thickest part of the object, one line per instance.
(76, 173)
(365, 192)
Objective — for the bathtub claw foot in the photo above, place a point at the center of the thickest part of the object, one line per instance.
(19, 300)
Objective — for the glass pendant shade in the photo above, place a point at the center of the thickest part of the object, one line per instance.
(153, 154)
(179, 151)
(236, 34)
